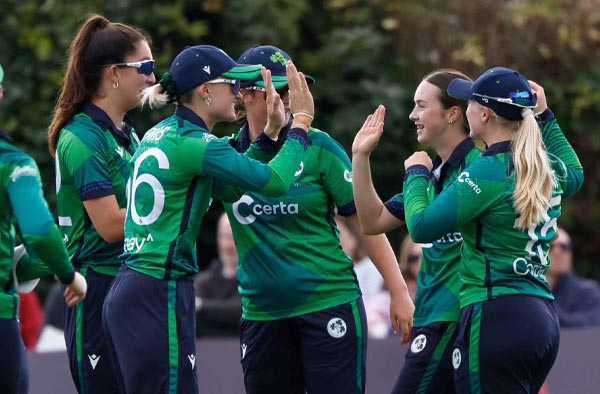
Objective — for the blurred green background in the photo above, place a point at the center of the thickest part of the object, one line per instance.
(362, 53)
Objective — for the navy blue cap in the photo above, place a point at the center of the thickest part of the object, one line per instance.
(272, 58)
(201, 63)
(503, 90)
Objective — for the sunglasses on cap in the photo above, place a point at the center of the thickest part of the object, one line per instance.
(519, 99)
(235, 83)
(145, 67)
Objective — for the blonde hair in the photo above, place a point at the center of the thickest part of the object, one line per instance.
(534, 178)
(155, 96)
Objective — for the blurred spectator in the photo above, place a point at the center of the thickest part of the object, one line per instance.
(370, 280)
(377, 305)
(218, 303)
(31, 318)
(577, 298)
(409, 258)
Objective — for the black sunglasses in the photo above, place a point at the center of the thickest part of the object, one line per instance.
(145, 67)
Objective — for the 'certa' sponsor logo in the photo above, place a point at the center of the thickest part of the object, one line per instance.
(464, 178)
(259, 209)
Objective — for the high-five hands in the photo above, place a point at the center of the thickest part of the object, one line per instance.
(275, 108)
(301, 100)
(368, 136)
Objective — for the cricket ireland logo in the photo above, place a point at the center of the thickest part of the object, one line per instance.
(278, 57)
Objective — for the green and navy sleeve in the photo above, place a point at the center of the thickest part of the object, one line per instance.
(227, 167)
(336, 172)
(88, 162)
(475, 189)
(37, 228)
(558, 145)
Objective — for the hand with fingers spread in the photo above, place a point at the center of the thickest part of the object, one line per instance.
(368, 136)
(76, 290)
(275, 107)
(301, 99)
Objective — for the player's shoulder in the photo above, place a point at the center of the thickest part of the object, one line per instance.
(486, 167)
(321, 139)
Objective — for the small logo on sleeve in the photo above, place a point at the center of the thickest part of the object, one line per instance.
(464, 178)
(348, 176)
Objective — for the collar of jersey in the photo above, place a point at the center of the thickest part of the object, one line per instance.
(499, 147)
(458, 155)
(102, 119)
(187, 114)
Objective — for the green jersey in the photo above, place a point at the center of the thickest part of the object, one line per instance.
(438, 282)
(290, 259)
(23, 210)
(92, 161)
(178, 168)
(497, 258)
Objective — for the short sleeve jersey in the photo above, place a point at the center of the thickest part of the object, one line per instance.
(290, 259)
(92, 161)
(497, 257)
(438, 282)
(177, 169)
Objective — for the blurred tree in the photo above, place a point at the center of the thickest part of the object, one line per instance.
(362, 53)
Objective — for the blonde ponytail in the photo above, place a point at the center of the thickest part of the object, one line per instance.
(534, 178)
(155, 96)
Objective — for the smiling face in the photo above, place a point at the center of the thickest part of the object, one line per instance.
(428, 114)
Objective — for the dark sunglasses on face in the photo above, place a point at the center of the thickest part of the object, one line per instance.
(235, 83)
(281, 91)
(565, 247)
(145, 67)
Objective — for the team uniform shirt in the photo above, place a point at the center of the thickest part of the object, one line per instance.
(438, 282)
(497, 258)
(178, 168)
(22, 204)
(290, 259)
(92, 161)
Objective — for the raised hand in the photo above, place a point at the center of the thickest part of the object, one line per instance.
(275, 108)
(542, 104)
(301, 100)
(368, 136)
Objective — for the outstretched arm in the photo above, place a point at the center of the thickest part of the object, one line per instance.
(373, 215)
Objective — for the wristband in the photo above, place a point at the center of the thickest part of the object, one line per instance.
(302, 113)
